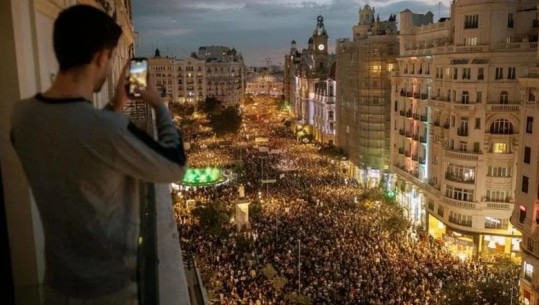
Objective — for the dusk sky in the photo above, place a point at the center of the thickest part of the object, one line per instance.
(259, 29)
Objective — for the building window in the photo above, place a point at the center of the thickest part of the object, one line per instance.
(466, 73)
(460, 173)
(455, 73)
(495, 223)
(501, 126)
(460, 219)
(465, 97)
(504, 97)
(497, 171)
(470, 41)
(471, 21)
(527, 154)
(529, 124)
(522, 214)
(499, 73)
(528, 270)
(499, 148)
(477, 123)
(511, 73)
(459, 193)
(479, 97)
(498, 196)
(480, 73)
(476, 147)
(510, 20)
(525, 182)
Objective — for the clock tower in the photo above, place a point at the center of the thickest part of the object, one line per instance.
(319, 47)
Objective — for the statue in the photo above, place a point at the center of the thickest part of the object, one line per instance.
(241, 191)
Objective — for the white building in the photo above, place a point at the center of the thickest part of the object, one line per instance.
(456, 118)
(212, 72)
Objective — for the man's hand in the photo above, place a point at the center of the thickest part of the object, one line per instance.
(120, 99)
(150, 94)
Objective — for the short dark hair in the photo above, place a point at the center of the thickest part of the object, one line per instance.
(80, 31)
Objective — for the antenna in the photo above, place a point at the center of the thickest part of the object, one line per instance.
(439, 8)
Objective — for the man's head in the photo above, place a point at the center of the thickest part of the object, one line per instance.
(85, 36)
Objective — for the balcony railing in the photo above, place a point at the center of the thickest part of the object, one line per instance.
(409, 113)
(423, 118)
(459, 203)
(503, 108)
(148, 278)
(499, 206)
(401, 132)
(407, 154)
(401, 151)
(402, 113)
(415, 116)
(423, 140)
(422, 161)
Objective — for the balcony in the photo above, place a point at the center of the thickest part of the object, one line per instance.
(424, 96)
(460, 222)
(461, 155)
(409, 113)
(462, 107)
(459, 204)
(402, 112)
(401, 151)
(409, 134)
(422, 161)
(415, 137)
(423, 140)
(436, 123)
(401, 132)
(456, 178)
(415, 157)
(503, 108)
(407, 154)
(415, 116)
(423, 118)
(446, 125)
(500, 206)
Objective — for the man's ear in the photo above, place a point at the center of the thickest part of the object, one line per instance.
(101, 57)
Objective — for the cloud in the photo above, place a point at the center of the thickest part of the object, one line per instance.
(254, 27)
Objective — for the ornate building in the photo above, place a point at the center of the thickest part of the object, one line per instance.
(455, 121)
(364, 68)
(303, 71)
(526, 211)
(214, 71)
(265, 82)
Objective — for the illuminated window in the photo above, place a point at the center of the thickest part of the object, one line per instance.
(390, 67)
(499, 148)
(376, 68)
(528, 271)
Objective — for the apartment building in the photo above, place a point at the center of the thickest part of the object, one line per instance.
(526, 212)
(455, 121)
(265, 82)
(214, 71)
(363, 76)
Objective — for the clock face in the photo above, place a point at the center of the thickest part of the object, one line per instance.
(321, 47)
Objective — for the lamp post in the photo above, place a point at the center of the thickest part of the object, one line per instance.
(299, 267)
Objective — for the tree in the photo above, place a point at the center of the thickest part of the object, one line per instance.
(226, 121)
(211, 218)
(210, 106)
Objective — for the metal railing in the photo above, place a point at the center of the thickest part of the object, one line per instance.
(147, 271)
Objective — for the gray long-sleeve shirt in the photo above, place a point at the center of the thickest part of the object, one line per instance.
(84, 166)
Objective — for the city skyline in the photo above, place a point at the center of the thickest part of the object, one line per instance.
(259, 29)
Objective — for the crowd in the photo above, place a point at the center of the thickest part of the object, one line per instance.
(314, 232)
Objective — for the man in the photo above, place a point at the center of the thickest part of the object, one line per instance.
(85, 165)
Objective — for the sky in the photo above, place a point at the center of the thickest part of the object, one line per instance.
(259, 29)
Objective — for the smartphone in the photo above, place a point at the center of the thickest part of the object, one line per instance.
(138, 75)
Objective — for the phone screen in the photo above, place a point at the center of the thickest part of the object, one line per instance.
(138, 75)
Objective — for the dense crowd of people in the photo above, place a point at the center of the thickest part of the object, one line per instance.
(323, 243)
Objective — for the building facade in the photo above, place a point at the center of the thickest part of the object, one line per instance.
(214, 71)
(455, 121)
(265, 82)
(364, 68)
(303, 71)
(526, 212)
